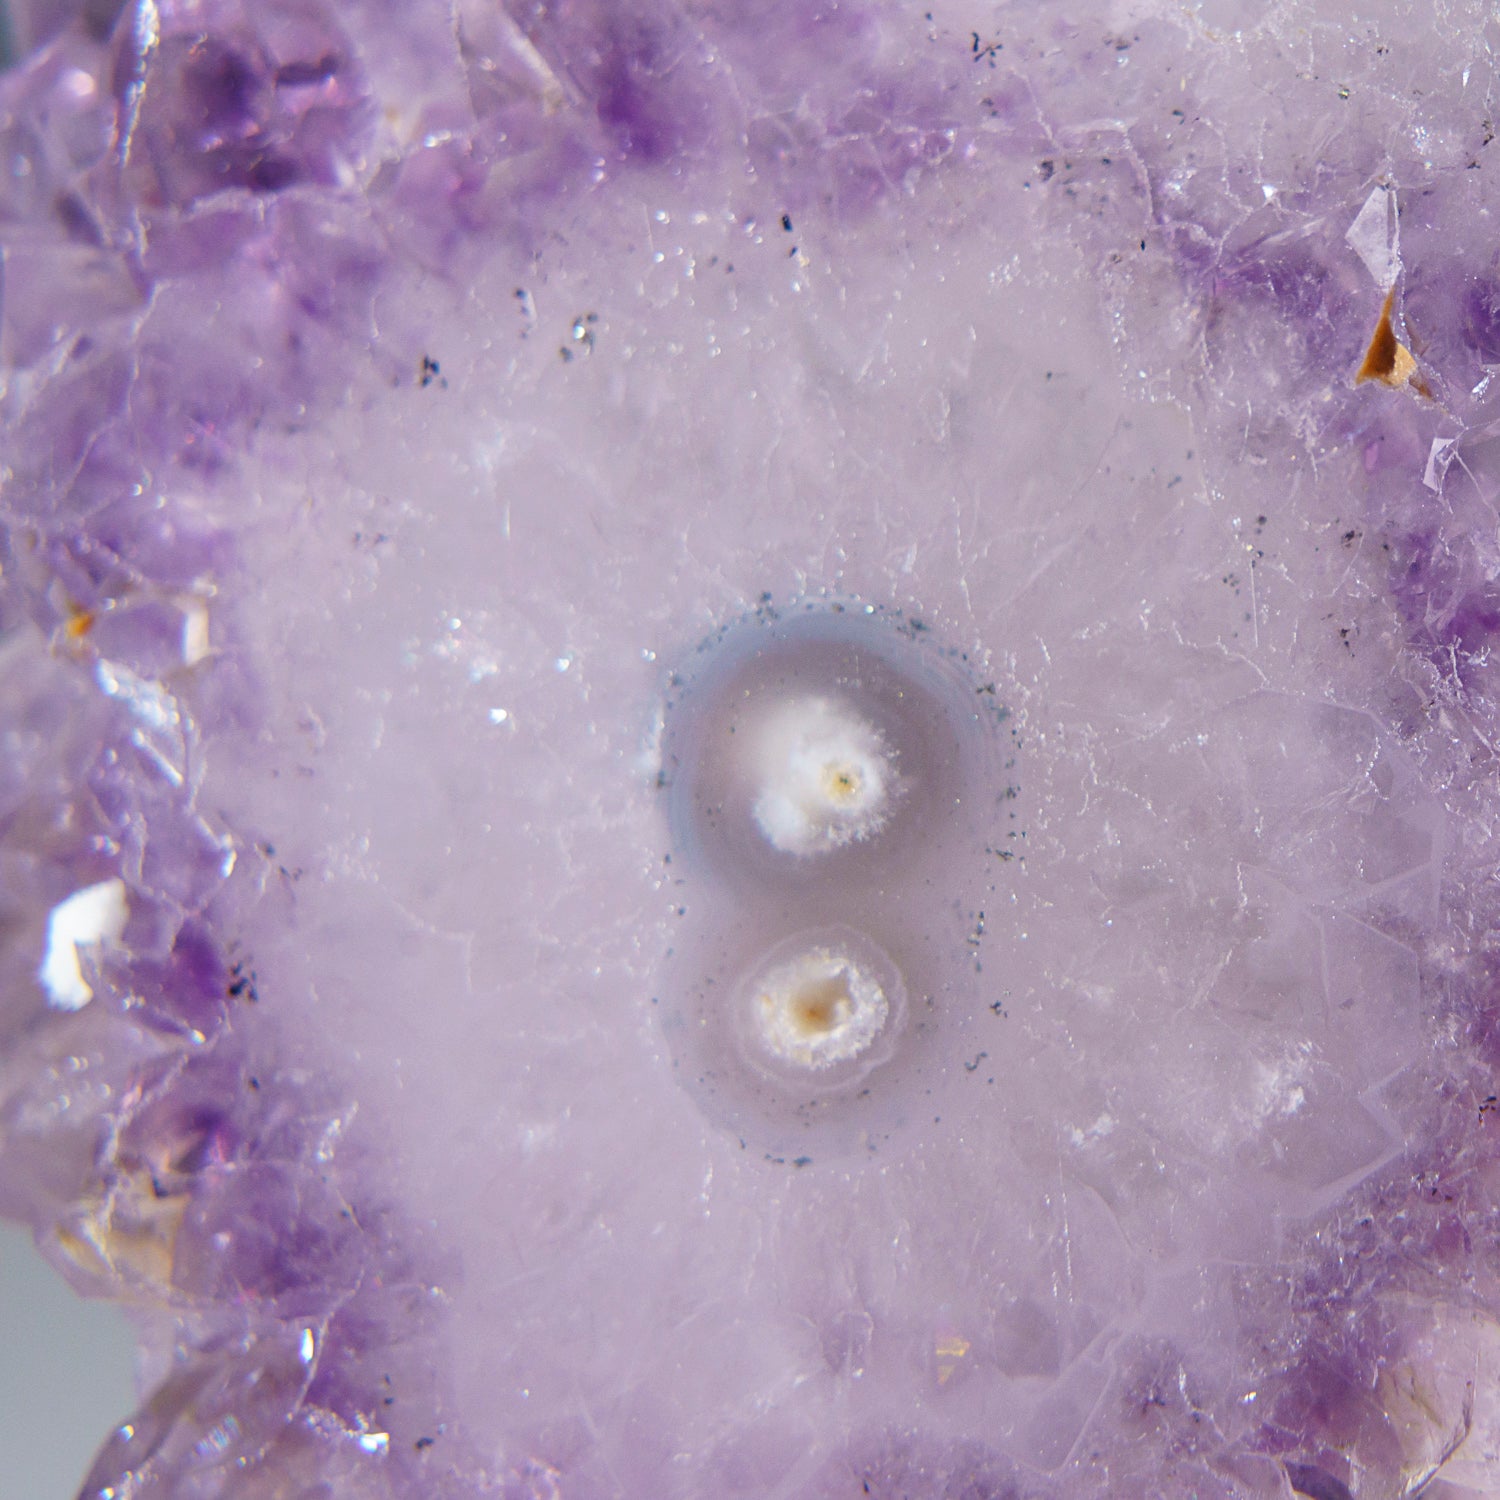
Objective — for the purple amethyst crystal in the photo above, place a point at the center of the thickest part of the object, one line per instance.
(750, 749)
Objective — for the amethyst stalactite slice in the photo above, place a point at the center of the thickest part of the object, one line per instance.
(748, 750)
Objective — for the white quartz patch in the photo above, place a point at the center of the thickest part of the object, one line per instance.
(95, 914)
(823, 776)
(1375, 236)
(195, 637)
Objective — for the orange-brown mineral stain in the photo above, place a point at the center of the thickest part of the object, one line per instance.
(951, 1348)
(126, 1237)
(815, 1012)
(1387, 359)
(80, 622)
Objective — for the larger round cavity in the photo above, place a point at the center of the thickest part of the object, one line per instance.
(824, 745)
(820, 775)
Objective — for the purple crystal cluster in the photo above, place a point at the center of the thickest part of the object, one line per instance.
(749, 749)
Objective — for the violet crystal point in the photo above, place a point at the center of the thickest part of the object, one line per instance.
(750, 749)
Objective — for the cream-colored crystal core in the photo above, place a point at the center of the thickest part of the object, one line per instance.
(819, 1008)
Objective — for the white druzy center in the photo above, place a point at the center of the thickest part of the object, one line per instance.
(823, 774)
(819, 1008)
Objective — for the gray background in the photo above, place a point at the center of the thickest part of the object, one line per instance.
(65, 1375)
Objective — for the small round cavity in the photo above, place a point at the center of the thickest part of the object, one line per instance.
(823, 775)
(822, 1005)
(804, 1045)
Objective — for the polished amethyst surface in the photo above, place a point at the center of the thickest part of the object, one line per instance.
(750, 749)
